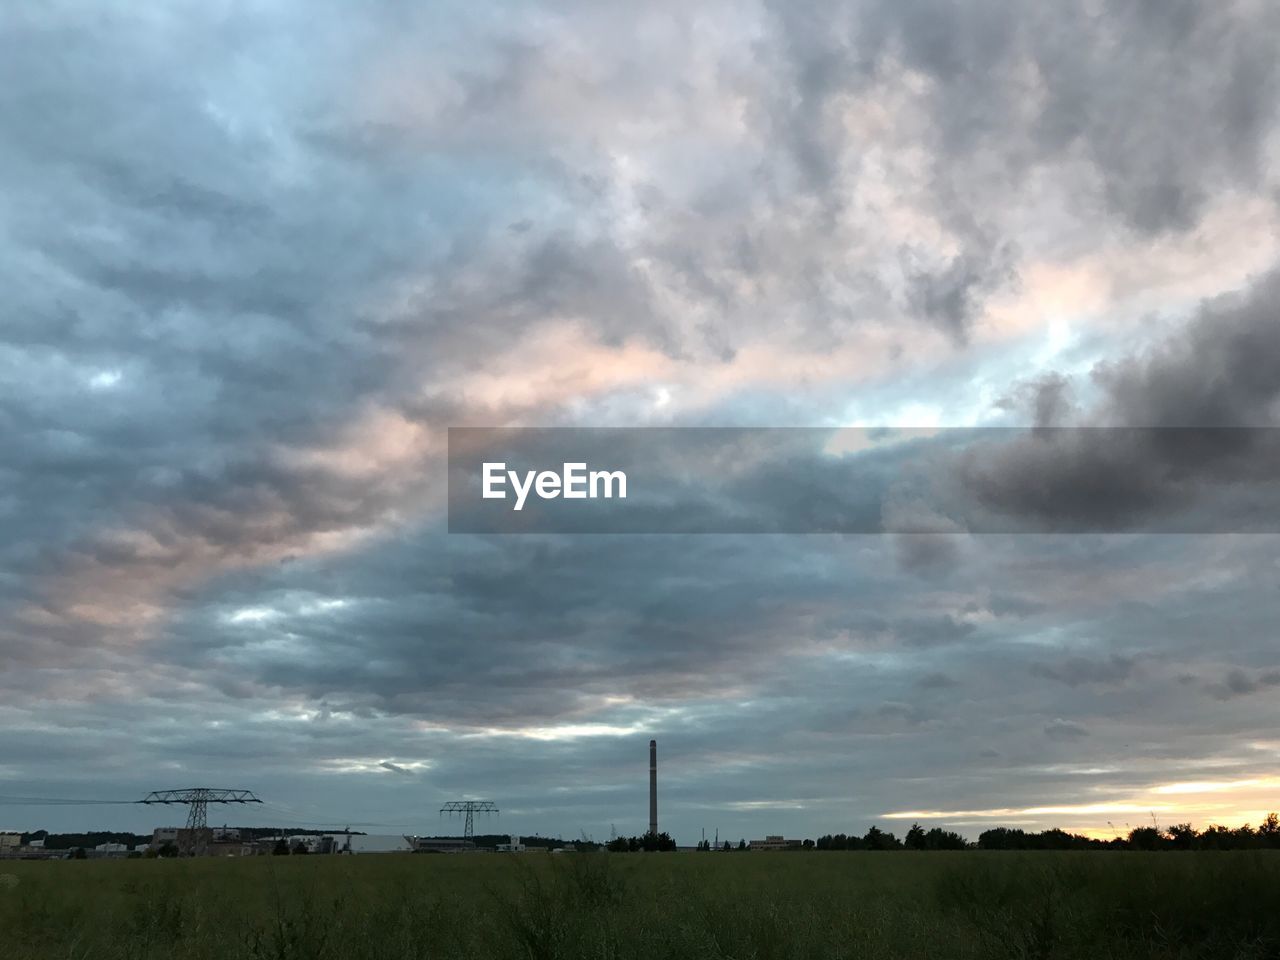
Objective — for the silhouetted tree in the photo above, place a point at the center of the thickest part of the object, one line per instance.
(939, 839)
(914, 839)
(1144, 838)
(877, 839)
(1269, 831)
(1216, 837)
(1001, 838)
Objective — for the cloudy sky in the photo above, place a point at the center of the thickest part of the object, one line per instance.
(259, 257)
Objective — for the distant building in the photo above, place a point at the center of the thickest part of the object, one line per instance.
(216, 841)
(775, 841)
(231, 848)
(364, 843)
(513, 846)
(440, 844)
(10, 841)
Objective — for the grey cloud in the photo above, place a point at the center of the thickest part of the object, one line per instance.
(1239, 683)
(1012, 93)
(471, 633)
(1124, 109)
(1218, 372)
(925, 554)
(1078, 671)
(1169, 433)
(1064, 730)
(1047, 398)
(952, 296)
(937, 681)
(906, 712)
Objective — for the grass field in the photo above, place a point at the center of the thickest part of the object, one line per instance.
(811, 905)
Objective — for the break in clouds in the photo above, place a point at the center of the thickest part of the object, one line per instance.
(259, 261)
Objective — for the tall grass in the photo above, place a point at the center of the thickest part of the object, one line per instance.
(761, 906)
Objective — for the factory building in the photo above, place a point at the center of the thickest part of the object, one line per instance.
(440, 845)
(109, 850)
(776, 841)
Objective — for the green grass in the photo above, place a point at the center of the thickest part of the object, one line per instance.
(739, 905)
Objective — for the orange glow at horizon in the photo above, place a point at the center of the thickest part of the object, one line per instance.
(1230, 803)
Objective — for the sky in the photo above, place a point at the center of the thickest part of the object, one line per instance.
(258, 258)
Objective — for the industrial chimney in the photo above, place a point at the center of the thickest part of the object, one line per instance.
(653, 787)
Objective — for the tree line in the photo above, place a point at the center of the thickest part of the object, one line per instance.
(917, 838)
(1181, 836)
(648, 842)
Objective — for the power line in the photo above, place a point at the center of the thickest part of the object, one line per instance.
(197, 800)
(468, 809)
(57, 801)
(239, 796)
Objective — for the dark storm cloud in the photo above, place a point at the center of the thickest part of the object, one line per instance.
(1219, 371)
(1188, 419)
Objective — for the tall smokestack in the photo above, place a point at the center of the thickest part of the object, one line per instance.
(653, 787)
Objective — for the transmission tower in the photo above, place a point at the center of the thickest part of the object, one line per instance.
(197, 800)
(468, 809)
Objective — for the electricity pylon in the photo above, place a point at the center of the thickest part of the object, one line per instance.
(197, 800)
(468, 809)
